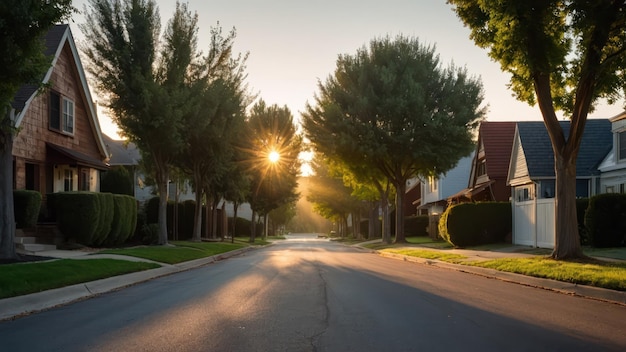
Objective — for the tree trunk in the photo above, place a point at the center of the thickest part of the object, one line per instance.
(7, 215)
(214, 206)
(265, 225)
(253, 226)
(163, 181)
(197, 217)
(372, 229)
(232, 236)
(386, 225)
(567, 238)
(400, 194)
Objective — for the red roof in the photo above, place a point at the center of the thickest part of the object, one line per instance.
(497, 139)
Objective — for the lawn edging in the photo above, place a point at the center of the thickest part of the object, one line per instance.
(592, 292)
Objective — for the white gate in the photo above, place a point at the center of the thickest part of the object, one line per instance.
(533, 223)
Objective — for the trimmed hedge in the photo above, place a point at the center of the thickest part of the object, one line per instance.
(242, 226)
(26, 205)
(117, 180)
(78, 216)
(416, 225)
(472, 224)
(605, 220)
(93, 219)
(581, 208)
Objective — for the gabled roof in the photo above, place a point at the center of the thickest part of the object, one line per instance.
(596, 143)
(121, 152)
(55, 39)
(497, 139)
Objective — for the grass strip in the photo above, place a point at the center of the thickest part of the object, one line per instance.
(594, 273)
(24, 278)
(182, 251)
(427, 254)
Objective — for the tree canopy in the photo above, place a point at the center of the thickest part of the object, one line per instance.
(394, 108)
(562, 55)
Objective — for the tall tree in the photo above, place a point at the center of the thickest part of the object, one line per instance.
(562, 55)
(273, 149)
(393, 108)
(22, 61)
(145, 89)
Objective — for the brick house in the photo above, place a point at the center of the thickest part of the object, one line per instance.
(59, 146)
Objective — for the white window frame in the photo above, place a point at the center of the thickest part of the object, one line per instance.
(67, 116)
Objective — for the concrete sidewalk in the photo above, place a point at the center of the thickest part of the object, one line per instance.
(602, 294)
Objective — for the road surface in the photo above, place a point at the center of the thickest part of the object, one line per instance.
(307, 294)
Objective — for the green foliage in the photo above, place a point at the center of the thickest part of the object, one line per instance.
(117, 180)
(242, 225)
(151, 208)
(416, 225)
(581, 208)
(471, 224)
(392, 108)
(78, 216)
(149, 234)
(105, 220)
(124, 219)
(605, 220)
(272, 128)
(27, 205)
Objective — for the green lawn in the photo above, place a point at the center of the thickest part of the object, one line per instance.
(25, 278)
(181, 251)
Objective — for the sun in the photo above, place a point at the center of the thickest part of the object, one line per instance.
(274, 156)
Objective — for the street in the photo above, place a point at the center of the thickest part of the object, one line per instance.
(307, 294)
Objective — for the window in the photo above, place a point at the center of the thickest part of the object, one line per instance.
(523, 194)
(68, 181)
(432, 181)
(61, 113)
(482, 168)
(621, 142)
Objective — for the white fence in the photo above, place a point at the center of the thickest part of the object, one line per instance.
(533, 223)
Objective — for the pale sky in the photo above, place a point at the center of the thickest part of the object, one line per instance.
(295, 43)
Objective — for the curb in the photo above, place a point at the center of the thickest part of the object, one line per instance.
(592, 292)
(15, 307)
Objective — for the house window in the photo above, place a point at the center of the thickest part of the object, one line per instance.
(610, 189)
(622, 145)
(482, 168)
(61, 113)
(432, 182)
(68, 181)
(523, 194)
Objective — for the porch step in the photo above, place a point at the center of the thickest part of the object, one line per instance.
(32, 248)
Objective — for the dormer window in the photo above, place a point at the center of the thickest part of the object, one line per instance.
(61, 113)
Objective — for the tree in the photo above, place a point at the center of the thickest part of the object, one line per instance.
(219, 102)
(145, 90)
(273, 182)
(392, 107)
(22, 24)
(562, 55)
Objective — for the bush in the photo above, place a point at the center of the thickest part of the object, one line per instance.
(471, 224)
(152, 210)
(416, 225)
(117, 180)
(242, 226)
(581, 207)
(78, 215)
(105, 220)
(27, 205)
(124, 219)
(605, 220)
(149, 234)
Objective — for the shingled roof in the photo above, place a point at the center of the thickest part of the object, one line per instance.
(52, 41)
(596, 143)
(497, 140)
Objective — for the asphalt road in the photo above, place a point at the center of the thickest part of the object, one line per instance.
(306, 294)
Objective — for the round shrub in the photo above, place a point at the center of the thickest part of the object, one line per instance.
(117, 180)
(472, 224)
(26, 205)
(605, 220)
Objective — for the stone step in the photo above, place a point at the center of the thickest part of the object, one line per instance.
(31, 248)
(25, 239)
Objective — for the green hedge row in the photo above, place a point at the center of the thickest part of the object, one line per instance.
(26, 205)
(471, 224)
(94, 219)
(605, 220)
(416, 225)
